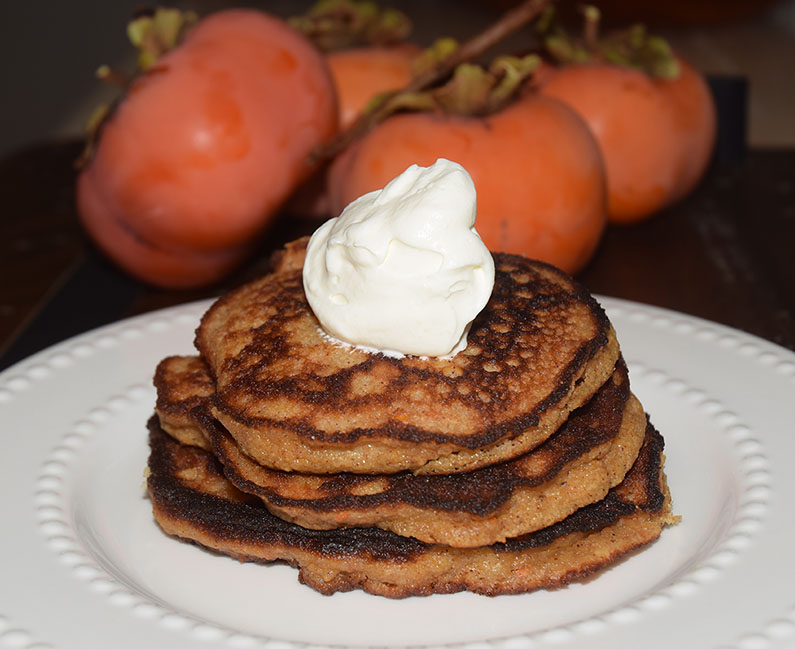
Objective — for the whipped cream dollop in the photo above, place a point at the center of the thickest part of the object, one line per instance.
(402, 270)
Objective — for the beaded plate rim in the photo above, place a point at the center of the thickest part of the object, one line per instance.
(62, 541)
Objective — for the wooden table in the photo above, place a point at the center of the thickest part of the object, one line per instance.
(726, 253)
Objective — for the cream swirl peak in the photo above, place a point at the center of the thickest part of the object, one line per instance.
(402, 270)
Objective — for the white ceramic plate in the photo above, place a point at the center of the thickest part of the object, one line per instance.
(83, 565)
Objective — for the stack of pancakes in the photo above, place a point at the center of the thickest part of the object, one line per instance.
(523, 462)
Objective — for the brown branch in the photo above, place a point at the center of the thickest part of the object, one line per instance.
(507, 24)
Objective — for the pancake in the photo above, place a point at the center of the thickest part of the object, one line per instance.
(182, 383)
(296, 401)
(290, 257)
(192, 500)
(575, 467)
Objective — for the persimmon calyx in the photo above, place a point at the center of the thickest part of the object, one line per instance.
(475, 91)
(153, 34)
(389, 103)
(510, 73)
(432, 56)
(635, 47)
(631, 47)
(471, 91)
(338, 24)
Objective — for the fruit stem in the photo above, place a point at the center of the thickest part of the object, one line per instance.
(630, 47)
(113, 77)
(508, 23)
(591, 26)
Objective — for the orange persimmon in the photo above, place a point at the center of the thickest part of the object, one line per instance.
(362, 73)
(696, 120)
(537, 170)
(656, 135)
(206, 145)
(368, 54)
(148, 261)
(366, 48)
(634, 124)
(651, 112)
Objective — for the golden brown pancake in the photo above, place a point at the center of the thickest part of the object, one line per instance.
(192, 500)
(182, 384)
(294, 400)
(587, 456)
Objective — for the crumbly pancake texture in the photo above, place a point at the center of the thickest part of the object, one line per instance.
(192, 500)
(589, 454)
(296, 401)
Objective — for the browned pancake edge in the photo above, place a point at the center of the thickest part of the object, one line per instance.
(182, 383)
(192, 500)
(590, 454)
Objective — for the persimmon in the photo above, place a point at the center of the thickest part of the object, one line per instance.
(149, 261)
(635, 127)
(696, 124)
(366, 46)
(207, 144)
(368, 54)
(651, 112)
(362, 73)
(537, 169)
